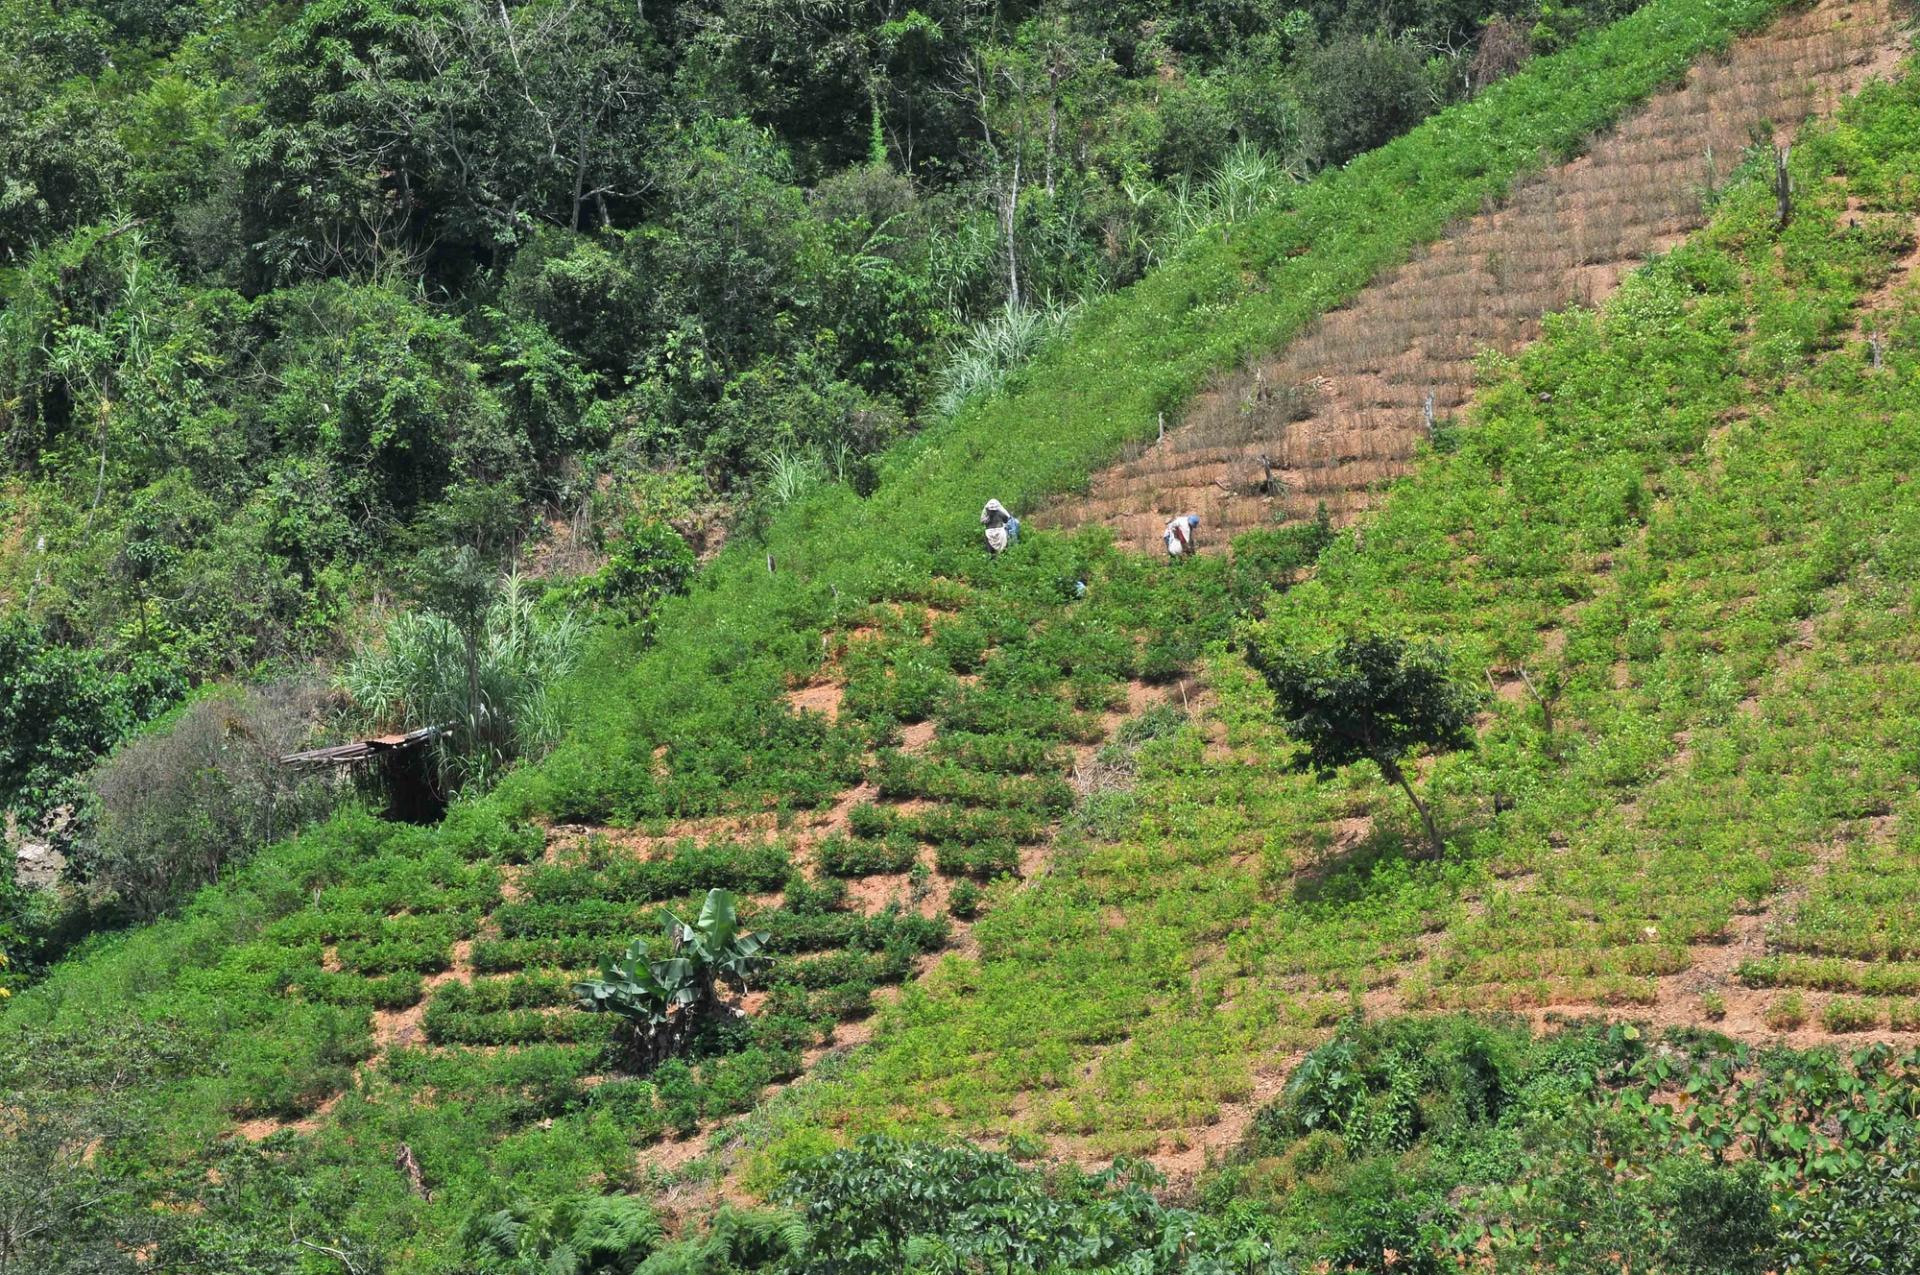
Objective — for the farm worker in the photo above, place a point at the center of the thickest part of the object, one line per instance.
(1180, 533)
(1002, 527)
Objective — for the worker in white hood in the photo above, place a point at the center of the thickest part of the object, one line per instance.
(1002, 527)
(1180, 534)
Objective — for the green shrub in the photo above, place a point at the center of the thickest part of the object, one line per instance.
(986, 710)
(422, 944)
(204, 790)
(1785, 1013)
(1850, 1015)
(687, 869)
(647, 561)
(841, 856)
(1275, 559)
(844, 1000)
(1361, 91)
(1000, 754)
(290, 1073)
(964, 902)
(1384, 1085)
(984, 860)
(395, 991)
(900, 776)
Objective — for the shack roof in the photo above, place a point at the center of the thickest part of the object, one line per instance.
(362, 749)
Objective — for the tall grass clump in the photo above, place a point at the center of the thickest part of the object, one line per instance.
(1245, 183)
(981, 364)
(496, 693)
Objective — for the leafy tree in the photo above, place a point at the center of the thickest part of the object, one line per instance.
(60, 707)
(1362, 91)
(59, 158)
(647, 562)
(457, 585)
(1371, 697)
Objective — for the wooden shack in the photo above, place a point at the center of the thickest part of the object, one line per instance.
(399, 766)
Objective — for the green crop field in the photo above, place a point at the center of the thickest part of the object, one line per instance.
(1073, 969)
(1686, 513)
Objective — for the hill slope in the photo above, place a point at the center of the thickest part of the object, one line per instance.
(1654, 531)
(1692, 514)
(1342, 409)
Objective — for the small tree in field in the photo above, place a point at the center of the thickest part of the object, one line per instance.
(1370, 698)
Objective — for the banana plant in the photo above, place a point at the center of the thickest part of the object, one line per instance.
(716, 944)
(665, 999)
(638, 989)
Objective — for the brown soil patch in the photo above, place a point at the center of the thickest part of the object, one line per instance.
(841, 813)
(1340, 411)
(823, 698)
(670, 1156)
(394, 1029)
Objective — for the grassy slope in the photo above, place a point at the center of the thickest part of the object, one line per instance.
(728, 646)
(1693, 509)
(1130, 356)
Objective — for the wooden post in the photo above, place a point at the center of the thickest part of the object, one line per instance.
(1873, 344)
(1428, 410)
(1782, 187)
(1163, 428)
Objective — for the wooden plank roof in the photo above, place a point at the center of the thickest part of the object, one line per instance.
(362, 749)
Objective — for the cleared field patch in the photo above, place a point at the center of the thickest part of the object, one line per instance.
(1343, 408)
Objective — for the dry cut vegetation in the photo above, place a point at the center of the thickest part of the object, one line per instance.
(1342, 409)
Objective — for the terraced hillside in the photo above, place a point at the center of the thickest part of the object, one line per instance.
(1341, 411)
(1035, 862)
(964, 719)
(1688, 521)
